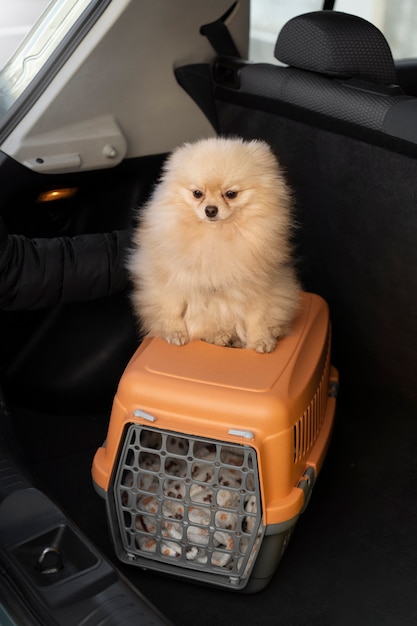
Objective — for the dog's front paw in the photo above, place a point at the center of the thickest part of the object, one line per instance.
(221, 339)
(266, 344)
(177, 337)
(226, 339)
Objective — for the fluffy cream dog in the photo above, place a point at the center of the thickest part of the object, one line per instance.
(211, 257)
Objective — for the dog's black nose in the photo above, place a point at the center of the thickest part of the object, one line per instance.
(211, 211)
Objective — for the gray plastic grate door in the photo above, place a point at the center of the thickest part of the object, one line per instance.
(189, 501)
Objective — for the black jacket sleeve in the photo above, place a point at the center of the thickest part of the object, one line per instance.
(37, 273)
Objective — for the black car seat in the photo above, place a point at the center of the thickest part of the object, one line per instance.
(336, 65)
(347, 137)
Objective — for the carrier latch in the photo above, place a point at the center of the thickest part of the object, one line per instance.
(306, 484)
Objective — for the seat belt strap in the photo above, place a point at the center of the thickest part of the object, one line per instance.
(219, 36)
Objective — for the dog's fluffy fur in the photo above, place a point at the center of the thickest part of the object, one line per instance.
(212, 257)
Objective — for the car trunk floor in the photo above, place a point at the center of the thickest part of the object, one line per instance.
(351, 559)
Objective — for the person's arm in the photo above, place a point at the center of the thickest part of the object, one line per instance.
(37, 273)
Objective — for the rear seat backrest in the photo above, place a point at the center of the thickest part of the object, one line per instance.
(347, 138)
(343, 69)
(355, 52)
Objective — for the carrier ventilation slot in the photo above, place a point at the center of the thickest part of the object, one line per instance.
(189, 501)
(307, 428)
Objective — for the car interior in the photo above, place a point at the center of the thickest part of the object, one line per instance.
(129, 82)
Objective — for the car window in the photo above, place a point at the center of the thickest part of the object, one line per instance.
(36, 48)
(49, 42)
(16, 19)
(397, 20)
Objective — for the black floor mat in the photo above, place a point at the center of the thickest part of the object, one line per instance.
(352, 559)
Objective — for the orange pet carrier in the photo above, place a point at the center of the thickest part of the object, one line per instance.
(212, 452)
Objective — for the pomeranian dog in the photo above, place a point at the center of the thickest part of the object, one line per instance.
(212, 254)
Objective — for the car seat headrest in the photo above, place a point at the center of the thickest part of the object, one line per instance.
(336, 44)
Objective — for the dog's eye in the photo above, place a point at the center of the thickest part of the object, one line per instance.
(197, 193)
(230, 194)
